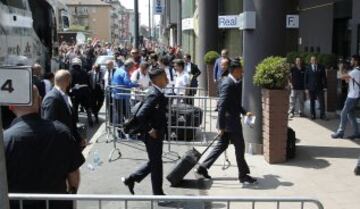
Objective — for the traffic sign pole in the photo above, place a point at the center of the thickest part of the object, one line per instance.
(4, 198)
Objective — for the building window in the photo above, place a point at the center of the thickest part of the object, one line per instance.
(19, 4)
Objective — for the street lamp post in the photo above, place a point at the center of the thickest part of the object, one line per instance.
(136, 28)
(179, 24)
(150, 20)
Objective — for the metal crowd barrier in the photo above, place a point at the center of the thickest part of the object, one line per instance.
(188, 202)
(118, 105)
(190, 118)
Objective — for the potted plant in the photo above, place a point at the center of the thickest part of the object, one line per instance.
(210, 59)
(272, 76)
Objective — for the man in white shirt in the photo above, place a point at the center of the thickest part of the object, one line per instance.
(170, 73)
(182, 80)
(348, 111)
(141, 76)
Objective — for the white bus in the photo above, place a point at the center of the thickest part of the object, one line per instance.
(28, 31)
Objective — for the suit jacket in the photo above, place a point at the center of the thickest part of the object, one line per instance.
(217, 69)
(99, 86)
(195, 72)
(54, 108)
(230, 106)
(153, 111)
(40, 85)
(315, 81)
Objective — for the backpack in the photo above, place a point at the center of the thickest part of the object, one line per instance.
(132, 125)
(355, 82)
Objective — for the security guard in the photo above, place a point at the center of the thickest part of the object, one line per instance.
(41, 157)
(80, 89)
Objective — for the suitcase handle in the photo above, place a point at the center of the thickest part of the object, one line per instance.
(211, 143)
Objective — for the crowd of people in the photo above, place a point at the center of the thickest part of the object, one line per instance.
(43, 145)
(46, 133)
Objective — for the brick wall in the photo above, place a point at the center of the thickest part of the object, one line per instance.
(275, 122)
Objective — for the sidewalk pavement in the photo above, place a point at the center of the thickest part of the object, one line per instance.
(323, 169)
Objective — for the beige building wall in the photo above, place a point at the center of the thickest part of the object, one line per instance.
(98, 18)
(100, 22)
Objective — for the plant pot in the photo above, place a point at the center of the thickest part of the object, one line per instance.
(275, 104)
(212, 87)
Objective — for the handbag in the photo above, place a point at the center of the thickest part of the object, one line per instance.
(132, 125)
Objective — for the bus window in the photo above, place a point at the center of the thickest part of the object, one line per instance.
(66, 23)
(19, 4)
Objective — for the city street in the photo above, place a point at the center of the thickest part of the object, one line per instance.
(322, 169)
(117, 104)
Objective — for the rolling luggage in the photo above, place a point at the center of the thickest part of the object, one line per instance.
(291, 144)
(185, 164)
(187, 116)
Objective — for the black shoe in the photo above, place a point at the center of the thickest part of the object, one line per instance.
(96, 119)
(129, 183)
(203, 172)
(357, 171)
(302, 115)
(337, 135)
(313, 117)
(248, 180)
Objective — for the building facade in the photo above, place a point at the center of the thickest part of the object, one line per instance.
(92, 15)
(330, 26)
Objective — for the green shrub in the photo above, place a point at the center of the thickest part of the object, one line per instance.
(291, 56)
(328, 60)
(272, 73)
(210, 57)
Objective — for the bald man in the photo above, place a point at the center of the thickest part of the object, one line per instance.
(41, 156)
(57, 104)
(218, 71)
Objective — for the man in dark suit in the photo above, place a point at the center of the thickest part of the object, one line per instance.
(97, 89)
(218, 71)
(194, 73)
(315, 84)
(153, 115)
(40, 85)
(80, 90)
(229, 124)
(57, 104)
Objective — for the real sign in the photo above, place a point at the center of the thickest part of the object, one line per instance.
(15, 86)
(231, 21)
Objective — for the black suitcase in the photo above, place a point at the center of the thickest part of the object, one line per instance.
(187, 116)
(185, 164)
(291, 144)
